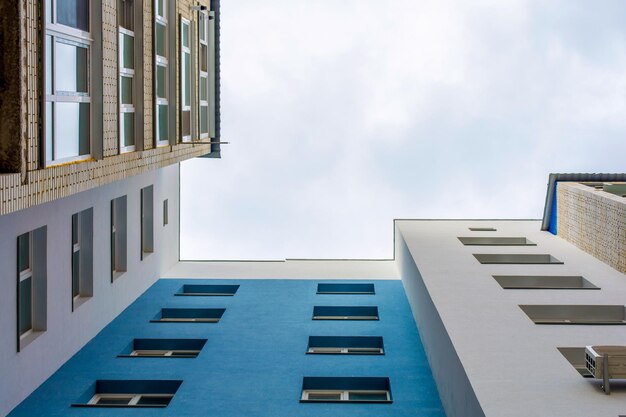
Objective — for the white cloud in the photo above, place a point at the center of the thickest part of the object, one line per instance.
(344, 115)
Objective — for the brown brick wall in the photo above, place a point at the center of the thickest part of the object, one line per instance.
(594, 221)
(36, 186)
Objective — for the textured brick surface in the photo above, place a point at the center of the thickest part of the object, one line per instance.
(35, 185)
(594, 221)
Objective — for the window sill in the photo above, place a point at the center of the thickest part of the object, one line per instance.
(118, 406)
(203, 294)
(156, 357)
(341, 353)
(347, 402)
(28, 338)
(79, 301)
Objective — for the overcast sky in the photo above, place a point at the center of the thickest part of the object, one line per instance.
(345, 114)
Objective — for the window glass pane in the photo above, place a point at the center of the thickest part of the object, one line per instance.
(48, 63)
(114, 400)
(74, 228)
(186, 79)
(332, 396)
(161, 81)
(161, 48)
(23, 248)
(128, 129)
(26, 293)
(144, 400)
(75, 273)
(162, 123)
(185, 40)
(72, 129)
(126, 90)
(203, 88)
(128, 53)
(125, 14)
(161, 7)
(48, 11)
(186, 123)
(203, 57)
(202, 27)
(368, 396)
(49, 131)
(71, 67)
(204, 119)
(73, 13)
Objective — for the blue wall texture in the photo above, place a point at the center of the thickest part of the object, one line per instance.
(254, 360)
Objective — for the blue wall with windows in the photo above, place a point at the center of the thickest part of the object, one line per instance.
(254, 360)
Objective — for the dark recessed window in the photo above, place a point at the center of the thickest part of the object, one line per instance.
(496, 241)
(575, 314)
(189, 315)
(507, 258)
(482, 229)
(164, 348)
(130, 393)
(345, 288)
(347, 345)
(208, 290)
(544, 282)
(345, 313)
(346, 389)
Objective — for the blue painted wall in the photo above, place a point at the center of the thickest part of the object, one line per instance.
(254, 359)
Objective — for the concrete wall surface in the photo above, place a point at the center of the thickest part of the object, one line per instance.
(67, 330)
(511, 364)
(254, 360)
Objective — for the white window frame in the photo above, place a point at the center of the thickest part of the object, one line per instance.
(75, 37)
(24, 275)
(358, 350)
(186, 50)
(126, 108)
(345, 317)
(343, 394)
(161, 61)
(203, 76)
(190, 319)
(133, 399)
(165, 353)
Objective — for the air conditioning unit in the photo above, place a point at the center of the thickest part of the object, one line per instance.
(613, 358)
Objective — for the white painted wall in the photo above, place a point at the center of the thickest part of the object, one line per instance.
(512, 364)
(67, 331)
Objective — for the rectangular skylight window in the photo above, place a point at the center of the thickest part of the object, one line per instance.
(496, 241)
(345, 288)
(349, 345)
(529, 259)
(164, 348)
(189, 315)
(575, 314)
(345, 313)
(346, 389)
(544, 282)
(130, 393)
(208, 290)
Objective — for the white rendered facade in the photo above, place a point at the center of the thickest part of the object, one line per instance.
(67, 328)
